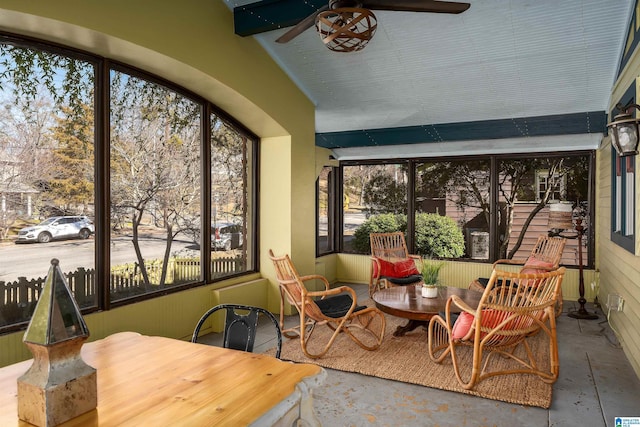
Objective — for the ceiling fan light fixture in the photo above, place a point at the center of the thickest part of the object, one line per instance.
(346, 29)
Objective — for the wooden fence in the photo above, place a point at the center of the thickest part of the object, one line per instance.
(18, 298)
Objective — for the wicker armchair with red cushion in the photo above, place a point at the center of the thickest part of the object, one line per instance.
(513, 308)
(391, 263)
(545, 256)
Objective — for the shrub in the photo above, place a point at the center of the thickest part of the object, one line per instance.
(438, 236)
(383, 223)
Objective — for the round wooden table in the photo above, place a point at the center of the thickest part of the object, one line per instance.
(407, 302)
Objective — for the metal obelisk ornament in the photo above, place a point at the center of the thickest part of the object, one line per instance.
(59, 385)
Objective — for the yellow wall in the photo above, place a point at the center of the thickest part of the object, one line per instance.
(619, 269)
(192, 43)
(172, 315)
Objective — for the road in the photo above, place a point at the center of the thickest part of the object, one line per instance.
(351, 222)
(32, 260)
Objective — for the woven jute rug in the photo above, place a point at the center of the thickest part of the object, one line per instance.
(406, 359)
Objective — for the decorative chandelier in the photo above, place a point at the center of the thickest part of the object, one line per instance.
(346, 29)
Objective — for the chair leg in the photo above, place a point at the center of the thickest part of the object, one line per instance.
(366, 329)
(440, 346)
(293, 332)
(305, 338)
(559, 304)
(372, 323)
(438, 339)
(377, 285)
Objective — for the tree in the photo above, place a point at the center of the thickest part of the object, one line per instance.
(466, 185)
(25, 157)
(514, 187)
(155, 169)
(385, 194)
(25, 71)
(36, 85)
(72, 183)
(228, 177)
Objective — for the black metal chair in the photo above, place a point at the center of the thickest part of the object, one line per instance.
(240, 329)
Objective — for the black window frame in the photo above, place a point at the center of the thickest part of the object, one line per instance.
(493, 225)
(102, 67)
(333, 211)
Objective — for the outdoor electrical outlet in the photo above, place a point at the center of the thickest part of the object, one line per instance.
(615, 302)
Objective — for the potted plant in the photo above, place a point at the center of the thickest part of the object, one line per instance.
(430, 271)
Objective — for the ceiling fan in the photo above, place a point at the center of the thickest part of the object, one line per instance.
(348, 25)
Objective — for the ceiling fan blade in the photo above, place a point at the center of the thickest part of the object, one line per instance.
(301, 26)
(433, 6)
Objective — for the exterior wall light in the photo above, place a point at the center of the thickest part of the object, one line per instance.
(624, 131)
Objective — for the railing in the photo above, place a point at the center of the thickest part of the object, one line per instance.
(18, 298)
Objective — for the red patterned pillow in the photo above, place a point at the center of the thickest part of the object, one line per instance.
(405, 268)
(386, 268)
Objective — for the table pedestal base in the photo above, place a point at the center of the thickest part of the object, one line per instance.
(410, 326)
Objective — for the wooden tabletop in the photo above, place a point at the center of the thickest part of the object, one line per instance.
(156, 381)
(407, 301)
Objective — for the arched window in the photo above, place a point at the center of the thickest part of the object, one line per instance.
(121, 197)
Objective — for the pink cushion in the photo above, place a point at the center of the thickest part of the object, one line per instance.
(402, 268)
(490, 319)
(535, 266)
(462, 325)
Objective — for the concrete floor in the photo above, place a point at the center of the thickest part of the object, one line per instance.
(596, 384)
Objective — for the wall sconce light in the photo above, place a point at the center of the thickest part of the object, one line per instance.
(624, 131)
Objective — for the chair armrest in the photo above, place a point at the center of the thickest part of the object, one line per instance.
(455, 299)
(315, 277)
(521, 262)
(334, 291)
(375, 272)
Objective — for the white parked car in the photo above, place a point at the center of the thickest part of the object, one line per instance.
(57, 227)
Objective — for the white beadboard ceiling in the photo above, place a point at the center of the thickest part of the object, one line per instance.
(500, 59)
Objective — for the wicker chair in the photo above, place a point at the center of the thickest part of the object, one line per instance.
(513, 308)
(337, 308)
(390, 248)
(545, 256)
